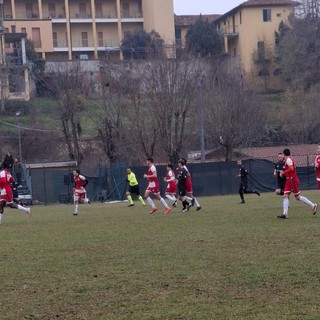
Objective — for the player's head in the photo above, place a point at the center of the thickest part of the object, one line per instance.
(280, 156)
(286, 152)
(169, 166)
(149, 161)
(184, 161)
(129, 170)
(318, 148)
(76, 172)
(239, 162)
(181, 163)
(4, 166)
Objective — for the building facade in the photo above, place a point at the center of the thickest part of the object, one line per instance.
(249, 36)
(86, 29)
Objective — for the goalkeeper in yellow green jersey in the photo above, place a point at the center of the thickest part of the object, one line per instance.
(133, 188)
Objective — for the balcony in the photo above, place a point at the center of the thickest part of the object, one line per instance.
(230, 31)
(131, 16)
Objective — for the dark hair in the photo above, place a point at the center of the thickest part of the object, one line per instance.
(181, 162)
(280, 153)
(169, 165)
(77, 170)
(184, 161)
(4, 165)
(150, 159)
(286, 152)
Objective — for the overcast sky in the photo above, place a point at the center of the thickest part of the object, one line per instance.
(204, 6)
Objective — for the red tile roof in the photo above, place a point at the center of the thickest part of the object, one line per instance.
(189, 20)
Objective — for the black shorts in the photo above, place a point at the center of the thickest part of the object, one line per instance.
(134, 190)
(281, 184)
(182, 190)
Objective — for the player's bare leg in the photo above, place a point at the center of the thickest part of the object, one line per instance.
(14, 205)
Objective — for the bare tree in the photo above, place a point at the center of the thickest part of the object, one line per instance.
(234, 115)
(170, 87)
(69, 87)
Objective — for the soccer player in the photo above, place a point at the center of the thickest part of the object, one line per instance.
(79, 191)
(133, 188)
(6, 196)
(182, 185)
(317, 166)
(243, 187)
(171, 189)
(190, 197)
(281, 181)
(292, 185)
(153, 187)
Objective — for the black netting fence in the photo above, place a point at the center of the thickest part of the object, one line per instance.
(53, 185)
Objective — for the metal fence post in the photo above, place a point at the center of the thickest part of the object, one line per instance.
(44, 186)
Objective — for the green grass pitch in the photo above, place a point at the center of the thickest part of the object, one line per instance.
(228, 261)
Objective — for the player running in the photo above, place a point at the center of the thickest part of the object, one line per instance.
(243, 187)
(6, 196)
(171, 189)
(153, 187)
(281, 181)
(79, 191)
(317, 166)
(292, 185)
(133, 188)
(182, 185)
(190, 197)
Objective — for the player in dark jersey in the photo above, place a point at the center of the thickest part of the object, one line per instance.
(243, 187)
(182, 185)
(278, 168)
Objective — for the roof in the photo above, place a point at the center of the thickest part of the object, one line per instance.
(260, 3)
(189, 20)
(304, 154)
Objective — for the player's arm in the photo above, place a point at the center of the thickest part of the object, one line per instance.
(289, 169)
(85, 181)
(153, 175)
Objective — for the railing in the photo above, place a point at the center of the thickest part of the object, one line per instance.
(106, 15)
(228, 30)
(131, 14)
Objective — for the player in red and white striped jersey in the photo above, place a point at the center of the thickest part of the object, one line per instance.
(171, 189)
(79, 191)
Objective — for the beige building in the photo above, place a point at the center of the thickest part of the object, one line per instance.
(86, 29)
(248, 33)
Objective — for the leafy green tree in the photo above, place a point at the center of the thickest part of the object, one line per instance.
(142, 45)
(202, 39)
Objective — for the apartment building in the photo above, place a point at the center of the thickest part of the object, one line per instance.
(86, 29)
(248, 33)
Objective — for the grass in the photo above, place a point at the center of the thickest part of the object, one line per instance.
(228, 261)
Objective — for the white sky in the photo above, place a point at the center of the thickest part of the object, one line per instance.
(204, 6)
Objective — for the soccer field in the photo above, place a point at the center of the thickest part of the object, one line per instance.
(227, 261)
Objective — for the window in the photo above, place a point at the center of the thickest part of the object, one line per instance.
(83, 10)
(240, 17)
(36, 37)
(23, 30)
(100, 39)
(125, 9)
(6, 45)
(29, 10)
(261, 50)
(84, 39)
(99, 10)
(55, 39)
(266, 15)
(52, 10)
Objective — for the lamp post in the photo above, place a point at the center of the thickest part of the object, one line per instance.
(18, 113)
